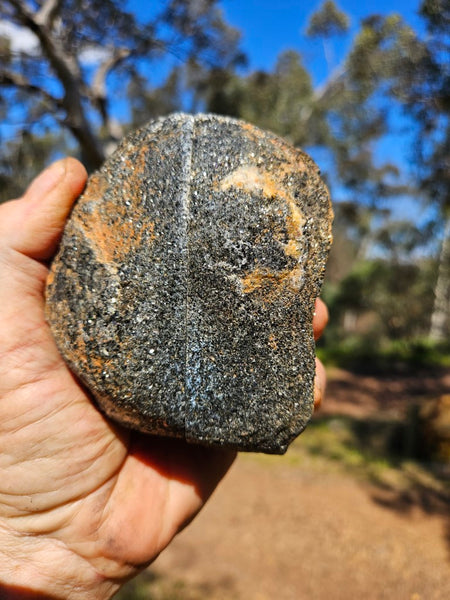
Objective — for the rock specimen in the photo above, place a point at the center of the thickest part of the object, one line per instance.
(183, 291)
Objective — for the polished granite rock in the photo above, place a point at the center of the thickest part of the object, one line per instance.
(183, 291)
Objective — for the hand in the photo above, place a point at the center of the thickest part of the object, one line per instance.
(319, 323)
(84, 504)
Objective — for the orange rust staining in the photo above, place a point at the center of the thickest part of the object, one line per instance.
(50, 277)
(257, 279)
(292, 249)
(136, 163)
(290, 162)
(96, 188)
(295, 221)
(97, 363)
(254, 180)
(97, 233)
(113, 230)
(297, 164)
(77, 352)
(270, 285)
(112, 240)
(273, 342)
(139, 163)
(110, 227)
(253, 133)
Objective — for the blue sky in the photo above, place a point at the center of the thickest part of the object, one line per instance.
(271, 26)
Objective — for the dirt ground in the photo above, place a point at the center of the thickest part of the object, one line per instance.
(298, 527)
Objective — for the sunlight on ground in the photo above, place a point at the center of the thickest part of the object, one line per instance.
(330, 445)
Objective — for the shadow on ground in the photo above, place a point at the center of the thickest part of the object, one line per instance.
(358, 507)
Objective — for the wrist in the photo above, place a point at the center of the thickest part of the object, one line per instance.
(44, 568)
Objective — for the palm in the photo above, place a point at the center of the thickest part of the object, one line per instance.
(98, 485)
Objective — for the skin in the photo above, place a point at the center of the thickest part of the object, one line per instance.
(84, 504)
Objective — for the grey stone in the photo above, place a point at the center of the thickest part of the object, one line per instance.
(183, 291)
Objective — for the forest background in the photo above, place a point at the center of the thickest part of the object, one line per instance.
(367, 97)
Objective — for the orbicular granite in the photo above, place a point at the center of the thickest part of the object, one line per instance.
(183, 291)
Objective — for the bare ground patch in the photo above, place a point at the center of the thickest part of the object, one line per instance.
(332, 519)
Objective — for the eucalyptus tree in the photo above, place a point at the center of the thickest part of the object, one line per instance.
(73, 51)
(413, 72)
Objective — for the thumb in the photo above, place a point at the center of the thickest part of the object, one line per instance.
(32, 225)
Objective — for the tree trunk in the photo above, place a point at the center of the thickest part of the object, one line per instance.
(439, 329)
(67, 70)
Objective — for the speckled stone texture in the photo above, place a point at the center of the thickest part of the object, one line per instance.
(183, 291)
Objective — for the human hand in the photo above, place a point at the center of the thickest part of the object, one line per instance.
(319, 323)
(84, 504)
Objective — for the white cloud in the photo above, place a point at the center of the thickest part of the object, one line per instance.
(21, 39)
(93, 55)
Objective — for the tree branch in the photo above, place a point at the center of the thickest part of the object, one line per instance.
(19, 81)
(100, 97)
(329, 85)
(67, 70)
(328, 88)
(47, 13)
(98, 87)
(64, 65)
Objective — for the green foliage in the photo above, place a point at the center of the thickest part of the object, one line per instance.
(148, 103)
(327, 21)
(437, 14)
(280, 101)
(385, 300)
(389, 58)
(383, 450)
(363, 354)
